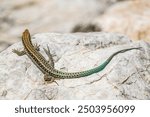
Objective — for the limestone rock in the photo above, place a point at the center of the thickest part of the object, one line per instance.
(127, 76)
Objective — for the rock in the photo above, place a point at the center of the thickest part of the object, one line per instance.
(46, 16)
(86, 28)
(129, 17)
(127, 76)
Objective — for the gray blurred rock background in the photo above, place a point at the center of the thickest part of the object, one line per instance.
(129, 17)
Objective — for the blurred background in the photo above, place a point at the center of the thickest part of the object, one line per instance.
(129, 17)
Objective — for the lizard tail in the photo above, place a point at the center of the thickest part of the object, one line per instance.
(96, 69)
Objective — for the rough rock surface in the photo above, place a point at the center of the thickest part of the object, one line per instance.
(127, 76)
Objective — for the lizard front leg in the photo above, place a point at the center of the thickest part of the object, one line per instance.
(23, 52)
(37, 47)
(18, 52)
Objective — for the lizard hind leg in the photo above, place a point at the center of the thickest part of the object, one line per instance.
(49, 79)
(50, 61)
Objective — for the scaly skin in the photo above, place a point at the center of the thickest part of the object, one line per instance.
(50, 72)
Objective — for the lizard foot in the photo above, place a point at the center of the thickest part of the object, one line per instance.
(49, 79)
(18, 52)
(37, 47)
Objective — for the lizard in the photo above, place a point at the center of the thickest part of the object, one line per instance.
(47, 66)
